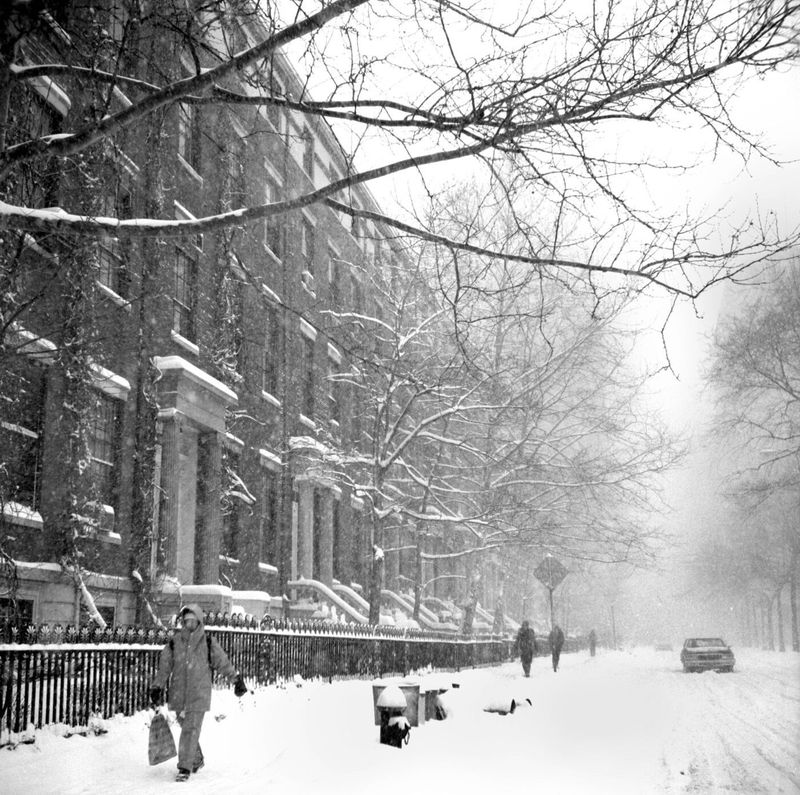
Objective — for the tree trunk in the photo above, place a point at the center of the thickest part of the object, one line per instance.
(376, 585)
(779, 604)
(793, 604)
(756, 626)
(418, 575)
(472, 597)
(744, 622)
(770, 626)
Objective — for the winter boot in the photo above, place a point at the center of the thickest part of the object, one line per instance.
(183, 774)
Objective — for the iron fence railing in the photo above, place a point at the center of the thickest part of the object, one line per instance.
(70, 675)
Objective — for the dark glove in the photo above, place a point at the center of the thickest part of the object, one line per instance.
(239, 687)
(155, 695)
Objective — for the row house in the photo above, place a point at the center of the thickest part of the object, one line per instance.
(168, 406)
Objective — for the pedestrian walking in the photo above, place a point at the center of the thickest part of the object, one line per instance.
(526, 645)
(556, 638)
(186, 663)
(592, 642)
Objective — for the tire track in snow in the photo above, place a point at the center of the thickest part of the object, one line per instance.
(738, 734)
(758, 727)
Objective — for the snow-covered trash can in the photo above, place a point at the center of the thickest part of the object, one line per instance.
(435, 708)
(506, 705)
(391, 705)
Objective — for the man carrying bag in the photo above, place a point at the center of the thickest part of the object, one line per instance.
(162, 743)
(186, 663)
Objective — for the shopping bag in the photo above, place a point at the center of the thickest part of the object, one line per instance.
(162, 743)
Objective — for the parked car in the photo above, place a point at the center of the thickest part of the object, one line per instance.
(664, 646)
(707, 654)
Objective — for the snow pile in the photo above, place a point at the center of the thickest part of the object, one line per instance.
(622, 722)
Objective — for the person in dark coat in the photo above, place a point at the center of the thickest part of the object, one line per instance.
(556, 638)
(526, 643)
(186, 662)
(592, 642)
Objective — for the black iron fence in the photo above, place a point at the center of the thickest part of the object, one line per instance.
(71, 675)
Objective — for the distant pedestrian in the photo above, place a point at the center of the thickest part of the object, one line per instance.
(592, 642)
(186, 663)
(556, 638)
(526, 644)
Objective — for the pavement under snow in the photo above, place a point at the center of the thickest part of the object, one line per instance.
(622, 722)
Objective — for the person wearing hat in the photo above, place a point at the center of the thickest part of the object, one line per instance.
(186, 663)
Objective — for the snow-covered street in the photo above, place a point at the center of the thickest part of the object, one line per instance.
(623, 722)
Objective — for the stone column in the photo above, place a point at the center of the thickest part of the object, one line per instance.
(187, 504)
(209, 528)
(305, 530)
(171, 421)
(326, 538)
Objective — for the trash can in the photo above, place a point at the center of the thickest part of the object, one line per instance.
(410, 690)
(434, 709)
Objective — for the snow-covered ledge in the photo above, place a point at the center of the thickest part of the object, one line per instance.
(269, 460)
(194, 373)
(112, 384)
(253, 602)
(184, 343)
(209, 597)
(17, 513)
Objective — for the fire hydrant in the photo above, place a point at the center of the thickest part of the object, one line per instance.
(395, 728)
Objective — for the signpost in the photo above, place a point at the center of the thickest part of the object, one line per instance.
(550, 572)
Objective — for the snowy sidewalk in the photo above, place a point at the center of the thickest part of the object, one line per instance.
(623, 722)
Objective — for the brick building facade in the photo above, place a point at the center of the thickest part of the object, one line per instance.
(190, 382)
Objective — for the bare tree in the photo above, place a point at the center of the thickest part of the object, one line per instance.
(518, 431)
(528, 96)
(755, 367)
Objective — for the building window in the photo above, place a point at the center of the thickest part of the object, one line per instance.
(269, 528)
(29, 117)
(16, 611)
(307, 244)
(236, 298)
(189, 134)
(237, 178)
(185, 291)
(21, 409)
(231, 505)
(308, 153)
(356, 429)
(334, 386)
(110, 252)
(102, 440)
(271, 357)
(334, 278)
(275, 113)
(356, 227)
(308, 377)
(111, 267)
(358, 294)
(273, 231)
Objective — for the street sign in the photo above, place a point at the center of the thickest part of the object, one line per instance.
(550, 572)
